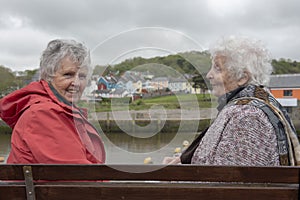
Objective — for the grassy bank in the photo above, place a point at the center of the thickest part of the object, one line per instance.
(186, 101)
(4, 128)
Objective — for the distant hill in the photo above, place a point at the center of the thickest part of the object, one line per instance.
(283, 66)
(181, 63)
(191, 62)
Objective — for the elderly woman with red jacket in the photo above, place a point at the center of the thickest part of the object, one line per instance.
(47, 125)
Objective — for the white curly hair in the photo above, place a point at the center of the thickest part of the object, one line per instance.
(244, 55)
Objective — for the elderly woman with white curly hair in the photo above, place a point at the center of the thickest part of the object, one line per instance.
(47, 125)
(251, 128)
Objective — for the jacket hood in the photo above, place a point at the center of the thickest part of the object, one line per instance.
(13, 105)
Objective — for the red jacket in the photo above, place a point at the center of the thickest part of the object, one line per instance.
(46, 130)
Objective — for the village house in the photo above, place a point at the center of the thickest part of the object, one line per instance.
(179, 85)
(286, 89)
(107, 82)
(131, 81)
(160, 83)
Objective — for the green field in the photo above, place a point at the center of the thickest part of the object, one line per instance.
(182, 101)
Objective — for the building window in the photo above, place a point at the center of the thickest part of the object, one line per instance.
(288, 93)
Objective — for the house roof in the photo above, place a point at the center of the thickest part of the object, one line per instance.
(177, 80)
(127, 76)
(109, 79)
(119, 91)
(157, 79)
(285, 81)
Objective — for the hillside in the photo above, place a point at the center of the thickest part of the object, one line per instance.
(283, 66)
(182, 63)
(186, 62)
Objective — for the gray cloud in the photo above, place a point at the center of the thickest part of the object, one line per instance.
(27, 26)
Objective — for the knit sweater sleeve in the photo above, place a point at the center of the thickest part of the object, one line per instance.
(242, 135)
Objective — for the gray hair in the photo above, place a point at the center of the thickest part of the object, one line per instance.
(59, 49)
(245, 55)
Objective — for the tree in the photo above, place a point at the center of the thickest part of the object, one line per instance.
(199, 82)
(7, 79)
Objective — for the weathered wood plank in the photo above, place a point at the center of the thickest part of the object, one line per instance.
(12, 192)
(155, 172)
(11, 172)
(157, 192)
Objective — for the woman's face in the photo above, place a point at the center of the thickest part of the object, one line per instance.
(220, 78)
(70, 80)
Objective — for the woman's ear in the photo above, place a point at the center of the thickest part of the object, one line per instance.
(245, 78)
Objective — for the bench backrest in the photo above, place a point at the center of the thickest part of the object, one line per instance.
(36, 182)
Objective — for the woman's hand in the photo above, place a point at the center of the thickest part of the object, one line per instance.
(171, 160)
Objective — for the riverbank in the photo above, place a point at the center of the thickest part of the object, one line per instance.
(142, 126)
(153, 121)
(152, 126)
(168, 114)
(4, 128)
(148, 121)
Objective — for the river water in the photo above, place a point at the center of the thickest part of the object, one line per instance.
(122, 148)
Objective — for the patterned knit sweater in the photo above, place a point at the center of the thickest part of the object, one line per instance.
(240, 135)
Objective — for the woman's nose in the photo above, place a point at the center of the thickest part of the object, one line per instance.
(76, 81)
(209, 74)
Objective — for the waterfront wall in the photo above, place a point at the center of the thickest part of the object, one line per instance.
(152, 126)
(141, 126)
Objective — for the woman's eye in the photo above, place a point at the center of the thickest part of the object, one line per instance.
(67, 75)
(82, 76)
(217, 68)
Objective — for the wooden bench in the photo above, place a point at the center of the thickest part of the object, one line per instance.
(38, 182)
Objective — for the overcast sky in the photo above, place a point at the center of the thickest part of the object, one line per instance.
(117, 29)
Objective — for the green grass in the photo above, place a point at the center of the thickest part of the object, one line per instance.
(176, 98)
(5, 129)
(183, 101)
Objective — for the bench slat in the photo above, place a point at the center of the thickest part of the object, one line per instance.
(157, 192)
(15, 192)
(150, 191)
(155, 172)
